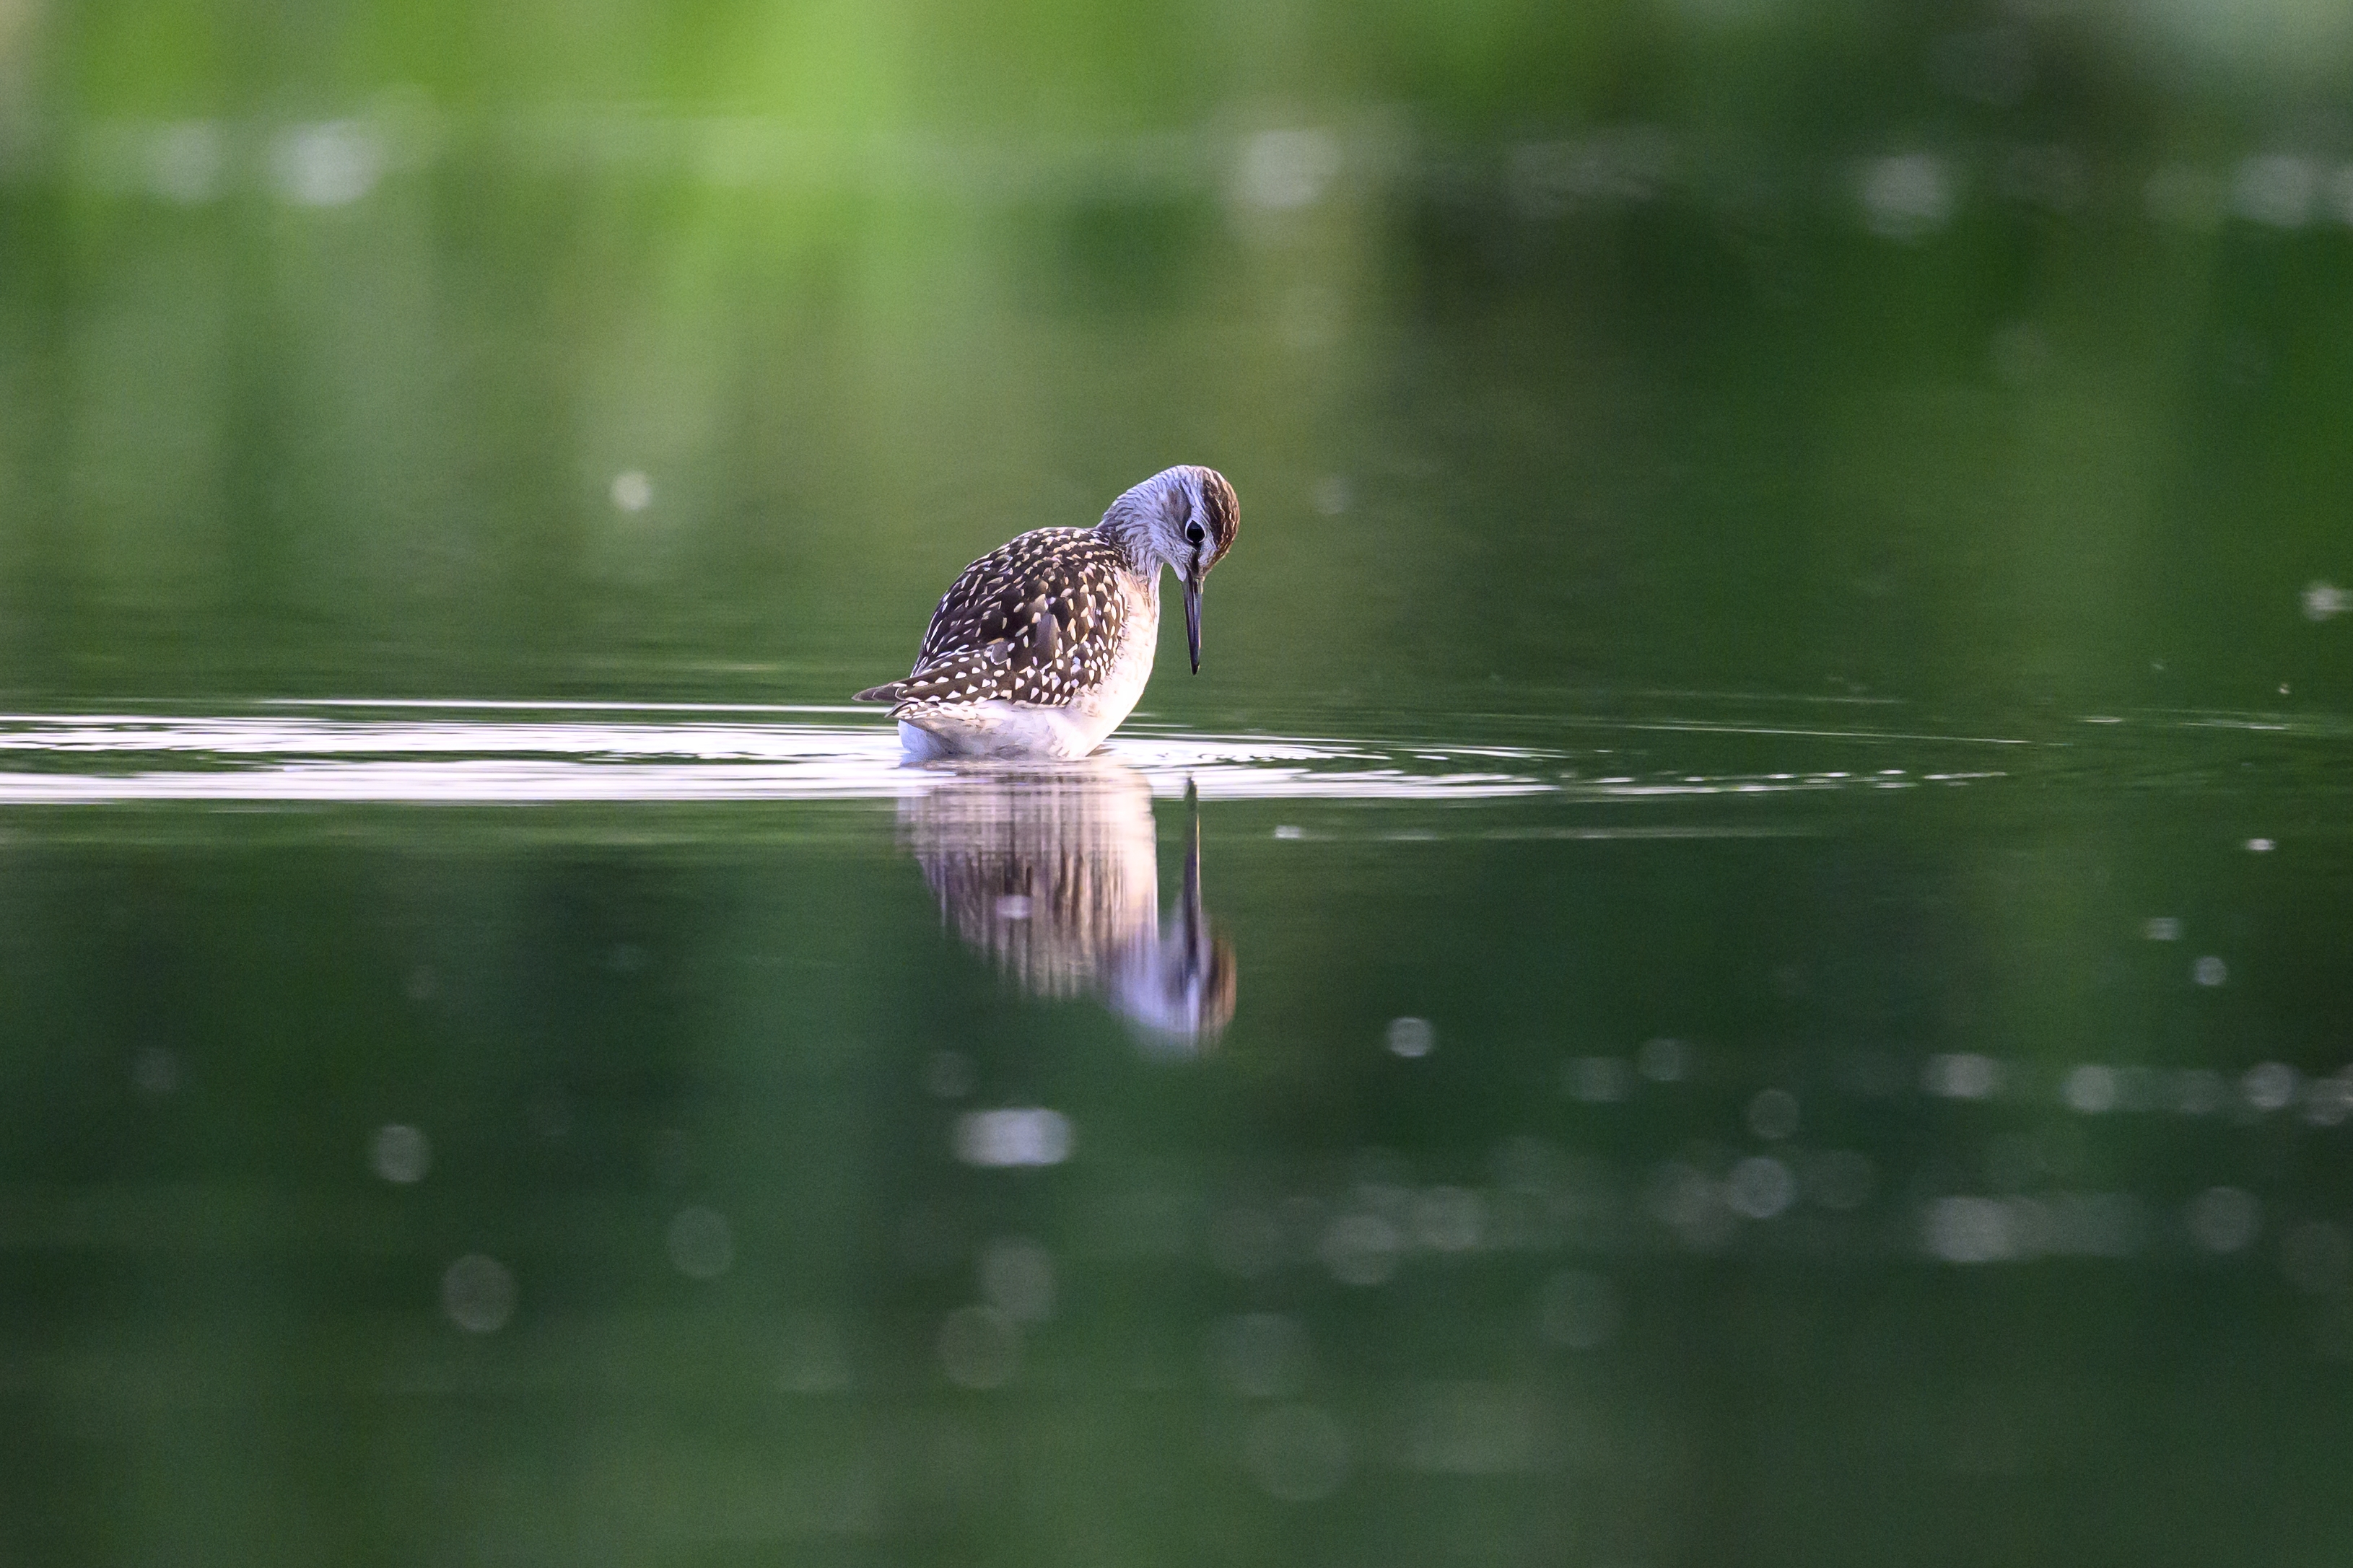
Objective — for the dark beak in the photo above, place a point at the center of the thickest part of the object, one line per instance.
(1193, 621)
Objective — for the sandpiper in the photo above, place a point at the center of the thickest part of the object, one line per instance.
(1044, 644)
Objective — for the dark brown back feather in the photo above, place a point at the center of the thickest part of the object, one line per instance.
(1036, 620)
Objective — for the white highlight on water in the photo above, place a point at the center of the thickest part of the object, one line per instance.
(495, 752)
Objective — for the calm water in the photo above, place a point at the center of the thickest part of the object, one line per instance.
(1726, 1127)
(1739, 955)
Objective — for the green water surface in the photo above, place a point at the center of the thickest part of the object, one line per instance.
(1738, 954)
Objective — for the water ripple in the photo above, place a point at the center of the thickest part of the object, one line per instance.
(457, 750)
(518, 754)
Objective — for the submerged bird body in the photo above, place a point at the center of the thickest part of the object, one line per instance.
(1042, 646)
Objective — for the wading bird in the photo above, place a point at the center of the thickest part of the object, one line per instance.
(1044, 644)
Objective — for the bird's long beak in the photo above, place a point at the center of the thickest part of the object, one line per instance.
(1192, 620)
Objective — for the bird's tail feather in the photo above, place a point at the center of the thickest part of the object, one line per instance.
(888, 693)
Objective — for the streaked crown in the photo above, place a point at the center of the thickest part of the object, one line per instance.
(1219, 512)
(1186, 516)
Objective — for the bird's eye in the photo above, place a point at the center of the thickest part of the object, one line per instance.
(1192, 534)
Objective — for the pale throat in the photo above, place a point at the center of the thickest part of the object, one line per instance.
(1128, 526)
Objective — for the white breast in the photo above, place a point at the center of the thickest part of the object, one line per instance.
(1131, 668)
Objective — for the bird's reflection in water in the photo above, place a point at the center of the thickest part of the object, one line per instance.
(1052, 871)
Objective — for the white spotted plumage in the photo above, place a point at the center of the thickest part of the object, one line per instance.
(1043, 646)
(1037, 620)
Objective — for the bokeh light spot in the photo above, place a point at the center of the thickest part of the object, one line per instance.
(1297, 1453)
(1016, 1278)
(701, 1243)
(2223, 1219)
(1969, 1230)
(1282, 170)
(2268, 1086)
(632, 490)
(979, 1348)
(1411, 1038)
(154, 1072)
(1663, 1060)
(1907, 196)
(1360, 1248)
(330, 164)
(400, 1153)
(948, 1075)
(478, 1293)
(1596, 1081)
(2090, 1089)
(1011, 1138)
(1962, 1075)
(1759, 1187)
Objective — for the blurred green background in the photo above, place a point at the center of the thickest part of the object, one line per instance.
(1960, 353)
(1849, 1110)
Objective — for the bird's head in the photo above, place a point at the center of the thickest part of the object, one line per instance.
(1192, 515)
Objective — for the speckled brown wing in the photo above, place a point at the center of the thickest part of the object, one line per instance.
(1036, 620)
